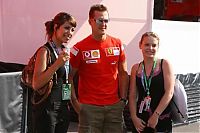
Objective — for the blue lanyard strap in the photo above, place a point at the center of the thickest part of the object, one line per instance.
(146, 80)
(66, 64)
(56, 52)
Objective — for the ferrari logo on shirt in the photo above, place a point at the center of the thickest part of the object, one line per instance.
(91, 54)
(112, 51)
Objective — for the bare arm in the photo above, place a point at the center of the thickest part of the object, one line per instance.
(123, 79)
(169, 81)
(138, 123)
(133, 93)
(41, 76)
(74, 100)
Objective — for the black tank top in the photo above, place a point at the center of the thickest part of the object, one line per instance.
(156, 93)
(56, 93)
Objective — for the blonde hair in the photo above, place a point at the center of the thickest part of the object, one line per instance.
(152, 34)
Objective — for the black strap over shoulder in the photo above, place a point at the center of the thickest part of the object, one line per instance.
(138, 67)
(52, 57)
(49, 60)
(161, 64)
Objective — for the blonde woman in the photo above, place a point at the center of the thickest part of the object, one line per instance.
(151, 89)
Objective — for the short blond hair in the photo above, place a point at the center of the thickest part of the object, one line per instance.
(150, 33)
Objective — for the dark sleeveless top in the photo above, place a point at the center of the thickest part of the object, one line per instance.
(56, 92)
(156, 93)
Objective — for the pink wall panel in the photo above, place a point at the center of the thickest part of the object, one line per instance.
(22, 28)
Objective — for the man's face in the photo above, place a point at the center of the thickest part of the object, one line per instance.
(99, 22)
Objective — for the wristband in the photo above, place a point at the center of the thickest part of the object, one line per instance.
(157, 113)
(123, 99)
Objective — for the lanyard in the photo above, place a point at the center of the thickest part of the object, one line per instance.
(56, 52)
(146, 80)
(67, 65)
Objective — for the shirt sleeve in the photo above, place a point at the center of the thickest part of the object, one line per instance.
(75, 57)
(122, 53)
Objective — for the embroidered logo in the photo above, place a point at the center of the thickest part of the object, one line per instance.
(91, 54)
(112, 51)
(91, 61)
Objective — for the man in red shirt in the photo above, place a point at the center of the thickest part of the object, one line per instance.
(100, 62)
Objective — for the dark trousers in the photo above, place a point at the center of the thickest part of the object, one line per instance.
(163, 126)
(51, 118)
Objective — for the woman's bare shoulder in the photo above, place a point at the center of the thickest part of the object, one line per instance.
(135, 68)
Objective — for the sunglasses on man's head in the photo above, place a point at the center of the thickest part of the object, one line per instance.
(100, 21)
